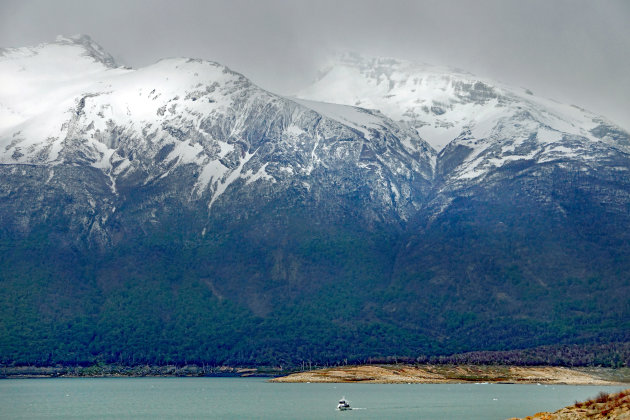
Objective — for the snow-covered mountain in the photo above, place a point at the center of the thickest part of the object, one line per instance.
(67, 103)
(390, 209)
(476, 125)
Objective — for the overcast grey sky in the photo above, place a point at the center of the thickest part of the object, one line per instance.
(575, 51)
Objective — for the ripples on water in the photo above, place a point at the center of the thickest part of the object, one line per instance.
(254, 398)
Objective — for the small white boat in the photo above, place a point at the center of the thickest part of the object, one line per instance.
(343, 405)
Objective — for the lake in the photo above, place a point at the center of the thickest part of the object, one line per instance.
(254, 398)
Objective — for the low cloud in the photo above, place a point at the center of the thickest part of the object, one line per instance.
(575, 51)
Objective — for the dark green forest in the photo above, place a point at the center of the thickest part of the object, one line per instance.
(522, 263)
(321, 294)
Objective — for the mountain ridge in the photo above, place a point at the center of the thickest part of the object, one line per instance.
(179, 212)
(429, 96)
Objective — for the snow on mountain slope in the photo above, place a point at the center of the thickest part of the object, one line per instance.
(494, 123)
(67, 103)
(371, 123)
(38, 78)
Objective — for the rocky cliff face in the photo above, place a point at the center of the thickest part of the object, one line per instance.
(459, 215)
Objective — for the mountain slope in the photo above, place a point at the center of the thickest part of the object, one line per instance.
(181, 193)
(199, 125)
(178, 212)
(442, 103)
(476, 125)
(524, 214)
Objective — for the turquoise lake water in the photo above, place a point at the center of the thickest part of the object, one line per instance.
(254, 398)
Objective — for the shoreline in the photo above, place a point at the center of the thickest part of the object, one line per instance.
(603, 406)
(148, 371)
(372, 373)
(451, 374)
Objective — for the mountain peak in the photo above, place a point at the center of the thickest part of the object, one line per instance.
(92, 49)
(73, 39)
(38, 78)
(443, 104)
(385, 65)
(232, 206)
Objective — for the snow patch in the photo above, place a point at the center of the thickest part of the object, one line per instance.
(260, 174)
(546, 135)
(357, 118)
(224, 182)
(294, 131)
(213, 170)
